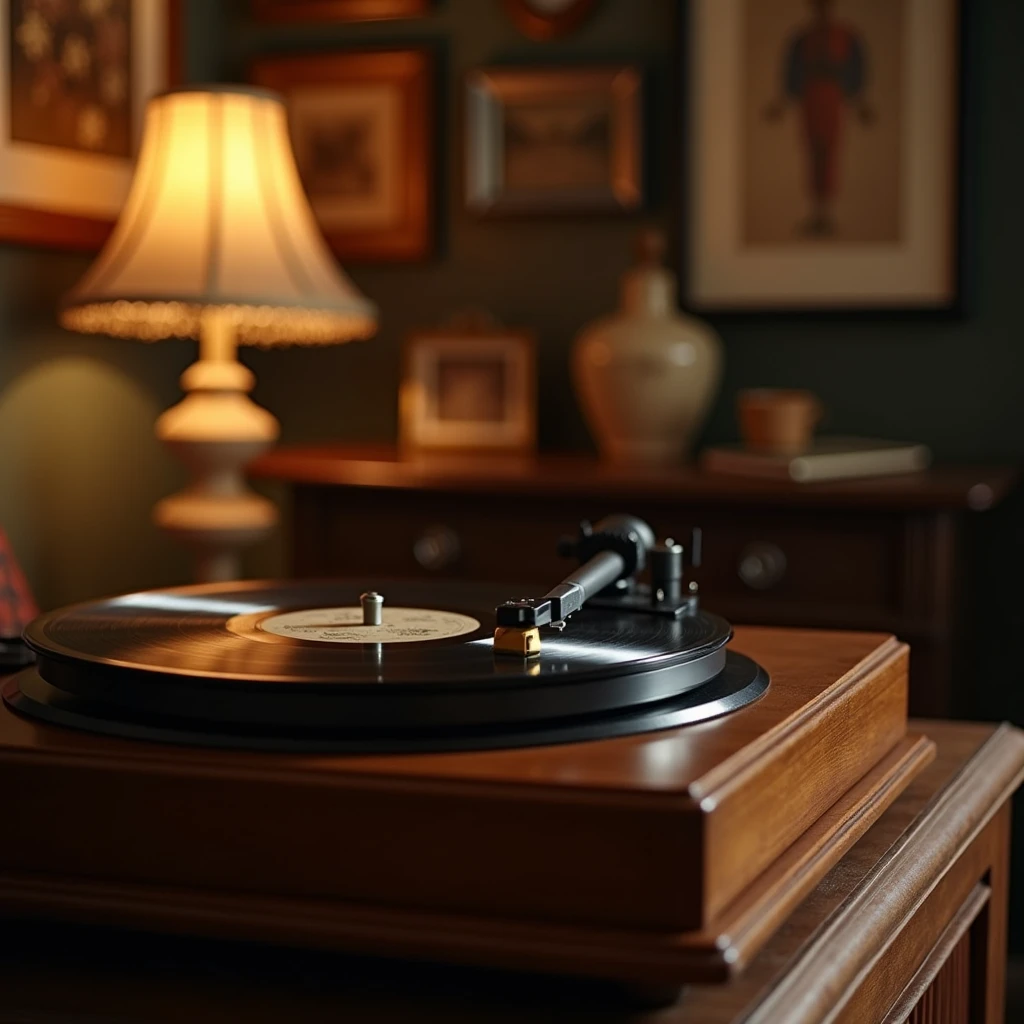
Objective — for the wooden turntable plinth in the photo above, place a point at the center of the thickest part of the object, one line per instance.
(663, 857)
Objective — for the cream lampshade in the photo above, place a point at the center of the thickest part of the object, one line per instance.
(217, 241)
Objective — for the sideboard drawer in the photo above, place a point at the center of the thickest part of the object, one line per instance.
(779, 563)
(420, 536)
(766, 565)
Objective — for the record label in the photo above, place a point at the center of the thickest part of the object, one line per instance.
(345, 625)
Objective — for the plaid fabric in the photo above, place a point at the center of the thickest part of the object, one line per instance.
(17, 607)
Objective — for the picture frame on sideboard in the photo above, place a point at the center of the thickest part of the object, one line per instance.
(469, 388)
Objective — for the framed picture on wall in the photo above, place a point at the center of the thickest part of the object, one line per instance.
(554, 140)
(469, 388)
(74, 81)
(549, 19)
(339, 10)
(361, 128)
(823, 154)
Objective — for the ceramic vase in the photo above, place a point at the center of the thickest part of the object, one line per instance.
(647, 375)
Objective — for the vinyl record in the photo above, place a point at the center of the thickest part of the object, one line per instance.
(282, 661)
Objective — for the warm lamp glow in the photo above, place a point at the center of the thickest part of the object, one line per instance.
(217, 241)
(217, 217)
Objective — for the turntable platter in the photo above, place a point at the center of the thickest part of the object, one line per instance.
(290, 665)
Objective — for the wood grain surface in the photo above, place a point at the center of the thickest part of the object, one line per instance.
(940, 992)
(658, 832)
(950, 821)
(553, 476)
(661, 857)
(868, 954)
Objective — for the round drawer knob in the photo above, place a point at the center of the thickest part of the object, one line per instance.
(762, 566)
(437, 548)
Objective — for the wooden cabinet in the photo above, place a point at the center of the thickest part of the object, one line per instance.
(909, 926)
(884, 554)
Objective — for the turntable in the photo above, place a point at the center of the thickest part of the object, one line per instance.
(605, 779)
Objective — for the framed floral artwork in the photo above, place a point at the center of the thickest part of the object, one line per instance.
(74, 81)
(823, 155)
(361, 129)
(339, 10)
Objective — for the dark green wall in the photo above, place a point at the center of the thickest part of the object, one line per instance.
(79, 467)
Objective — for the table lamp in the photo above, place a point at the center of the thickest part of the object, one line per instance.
(217, 241)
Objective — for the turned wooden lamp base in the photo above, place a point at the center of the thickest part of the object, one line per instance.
(215, 431)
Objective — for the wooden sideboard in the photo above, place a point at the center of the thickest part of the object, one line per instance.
(909, 926)
(885, 554)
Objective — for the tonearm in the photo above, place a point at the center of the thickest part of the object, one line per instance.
(611, 554)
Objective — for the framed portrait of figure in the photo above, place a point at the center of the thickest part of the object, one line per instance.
(74, 82)
(361, 128)
(823, 156)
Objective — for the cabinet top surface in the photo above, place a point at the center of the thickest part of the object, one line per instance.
(809, 669)
(382, 467)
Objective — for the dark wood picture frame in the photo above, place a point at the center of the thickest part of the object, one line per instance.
(957, 300)
(543, 27)
(339, 10)
(29, 225)
(489, 92)
(411, 71)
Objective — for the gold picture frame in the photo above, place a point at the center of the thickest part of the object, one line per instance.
(554, 140)
(469, 389)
